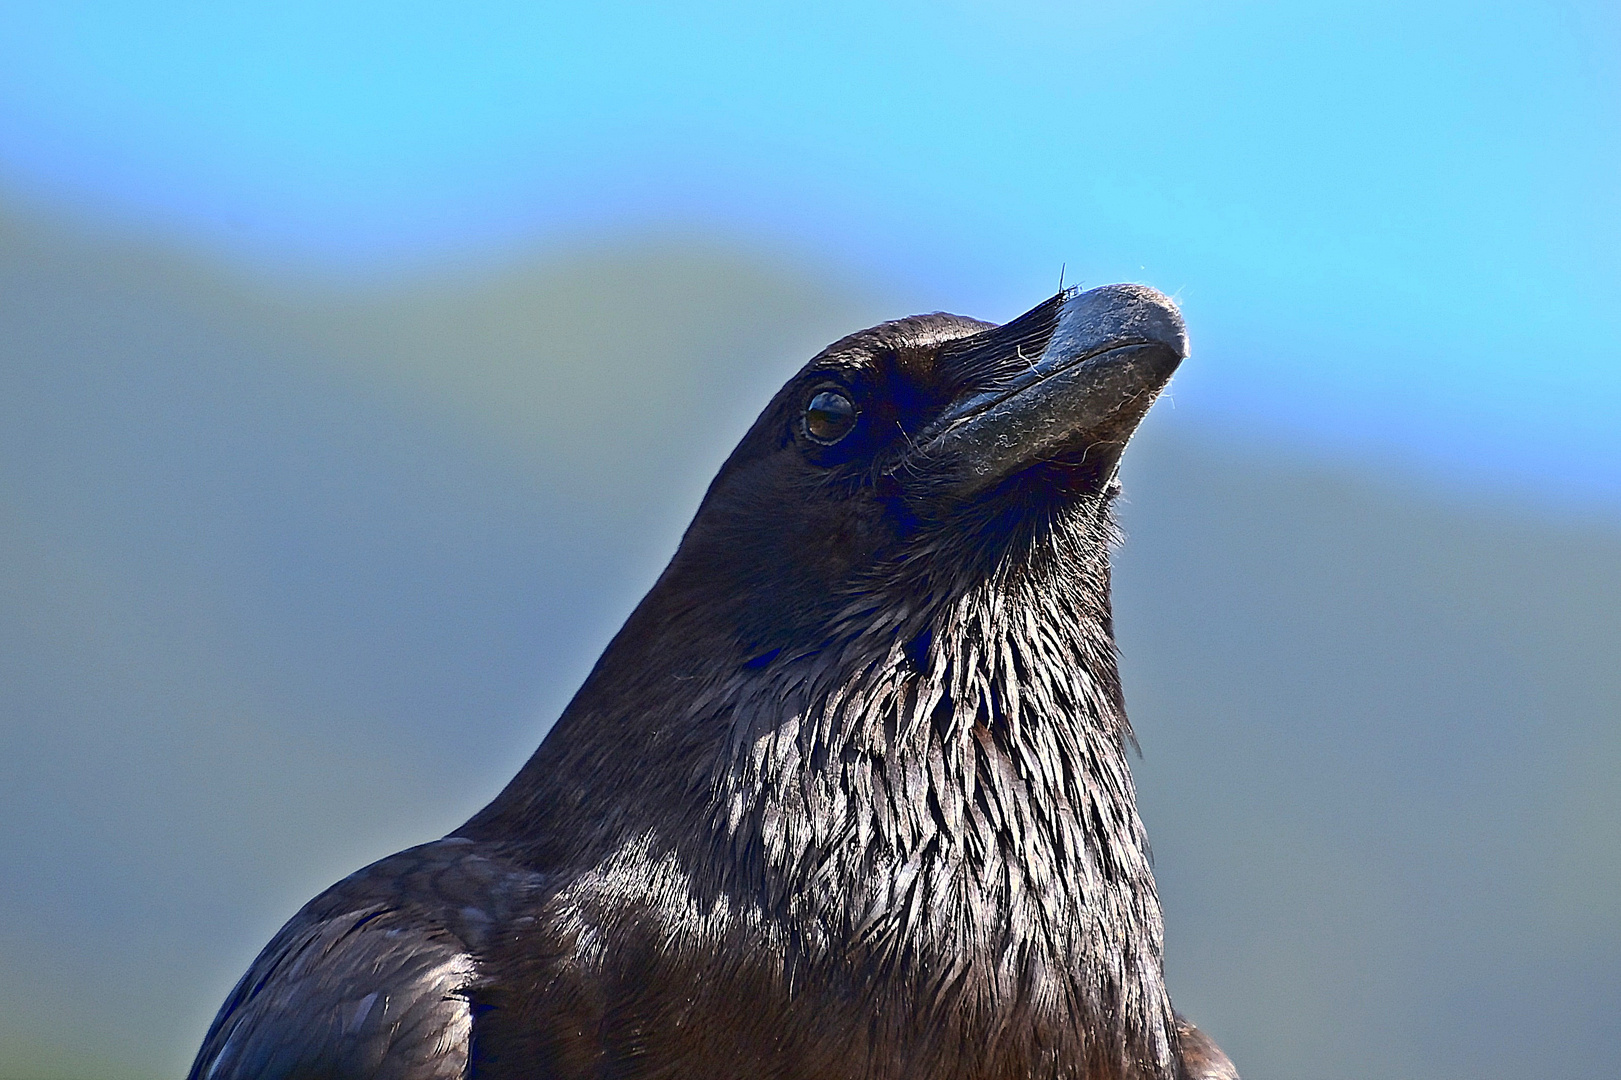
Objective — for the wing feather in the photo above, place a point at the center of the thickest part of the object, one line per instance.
(370, 994)
(371, 980)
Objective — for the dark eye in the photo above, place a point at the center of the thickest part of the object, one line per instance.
(829, 417)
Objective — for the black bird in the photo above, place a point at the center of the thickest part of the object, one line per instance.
(847, 796)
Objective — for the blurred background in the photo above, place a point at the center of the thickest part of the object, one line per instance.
(361, 363)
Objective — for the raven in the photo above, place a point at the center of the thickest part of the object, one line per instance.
(847, 796)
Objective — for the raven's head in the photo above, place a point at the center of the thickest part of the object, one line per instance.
(873, 699)
(924, 454)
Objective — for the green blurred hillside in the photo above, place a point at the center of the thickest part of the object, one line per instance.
(292, 575)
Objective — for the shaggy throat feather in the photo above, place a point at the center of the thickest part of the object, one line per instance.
(942, 791)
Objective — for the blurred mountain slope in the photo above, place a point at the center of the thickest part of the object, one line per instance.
(292, 575)
(1382, 765)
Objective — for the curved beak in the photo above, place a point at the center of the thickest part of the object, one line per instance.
(1064, 385)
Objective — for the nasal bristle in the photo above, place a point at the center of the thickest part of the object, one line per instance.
(986, 360)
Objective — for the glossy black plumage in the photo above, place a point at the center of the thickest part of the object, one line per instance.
(847, 796)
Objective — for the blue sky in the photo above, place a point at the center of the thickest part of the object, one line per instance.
(1396, 228)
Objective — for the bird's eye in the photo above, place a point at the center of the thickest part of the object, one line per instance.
(829, 417)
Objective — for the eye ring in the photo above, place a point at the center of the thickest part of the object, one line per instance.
(830, 415)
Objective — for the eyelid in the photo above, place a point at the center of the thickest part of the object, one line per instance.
(834, 385)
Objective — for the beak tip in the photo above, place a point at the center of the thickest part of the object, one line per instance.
(1123, 313)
